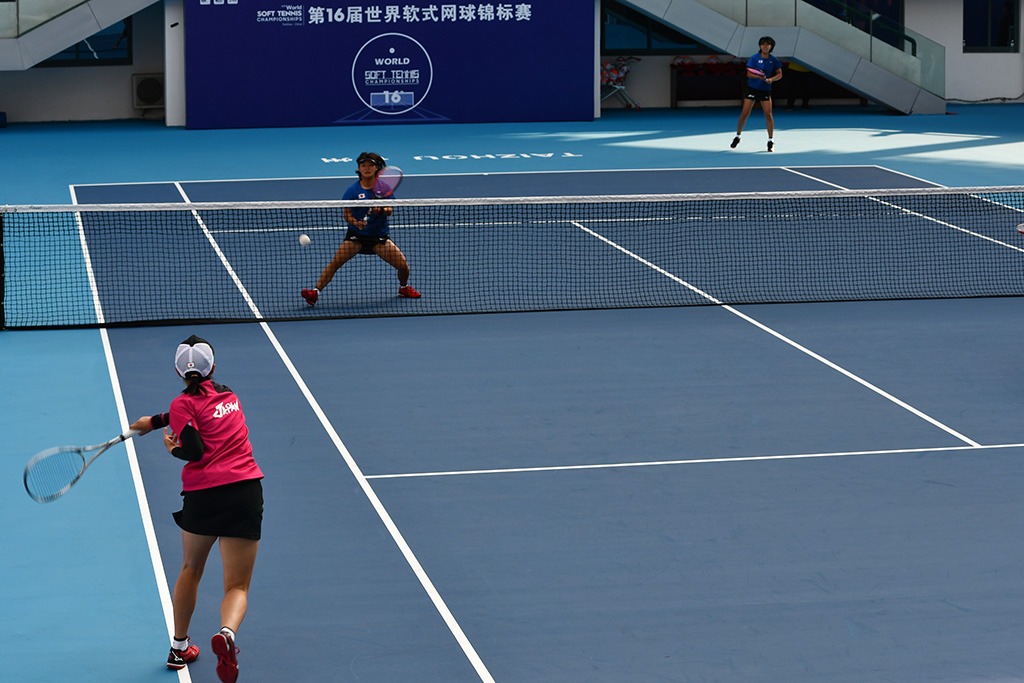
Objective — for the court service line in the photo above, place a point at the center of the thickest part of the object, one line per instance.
(385, 517)
(162, 588)
(789, 169)
(690, 461)
(781, 337)
(925, 217)
(1003, 205)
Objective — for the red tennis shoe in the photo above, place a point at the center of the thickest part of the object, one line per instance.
(223, 646)
(408, 291)
(177, 659)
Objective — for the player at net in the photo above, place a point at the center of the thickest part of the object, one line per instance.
(368, 231)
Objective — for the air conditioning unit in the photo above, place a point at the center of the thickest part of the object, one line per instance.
(148, 91)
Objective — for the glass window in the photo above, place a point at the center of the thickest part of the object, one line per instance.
(991, 25)
(624, 31)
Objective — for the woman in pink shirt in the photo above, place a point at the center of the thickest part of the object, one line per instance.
(223, 500)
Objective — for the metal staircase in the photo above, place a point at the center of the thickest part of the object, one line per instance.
(34, 30)
(905, 73)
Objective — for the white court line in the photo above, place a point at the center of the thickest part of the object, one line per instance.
(140, 493)
(163, 590)
(999, 204)
(789, 169)
(89, 273)
(929, 218)
(691, 461)
(378, 506)
(783, 338)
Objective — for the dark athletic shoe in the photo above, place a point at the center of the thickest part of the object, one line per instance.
(177, 659)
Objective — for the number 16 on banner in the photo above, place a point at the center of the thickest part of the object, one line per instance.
(392, 98)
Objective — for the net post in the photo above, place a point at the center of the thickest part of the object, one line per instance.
(3, 277)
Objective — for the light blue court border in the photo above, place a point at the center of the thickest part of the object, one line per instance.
(36, 266)
(973, 145)
(78, 589)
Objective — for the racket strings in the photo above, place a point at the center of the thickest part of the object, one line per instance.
(387, 181)
(53, 474)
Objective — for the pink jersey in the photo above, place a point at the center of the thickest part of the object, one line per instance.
(227, 453)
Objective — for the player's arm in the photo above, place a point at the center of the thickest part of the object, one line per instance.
(189, 446)
(144, 425)
(352, 221)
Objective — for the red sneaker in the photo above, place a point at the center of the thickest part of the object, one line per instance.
(310, 295)
(177, 659)
(227, 663)
(409, 292)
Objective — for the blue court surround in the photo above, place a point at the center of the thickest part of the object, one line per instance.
(719, 563)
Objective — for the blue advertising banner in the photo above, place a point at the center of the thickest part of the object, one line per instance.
(264, 63)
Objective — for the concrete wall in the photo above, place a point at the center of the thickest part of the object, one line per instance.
(970, 77)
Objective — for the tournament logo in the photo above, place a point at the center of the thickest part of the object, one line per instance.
(392, 73)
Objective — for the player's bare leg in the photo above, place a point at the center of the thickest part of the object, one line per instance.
(390, 252)
(748, 105)
(346, 251)
(769, 122)
(744, 113)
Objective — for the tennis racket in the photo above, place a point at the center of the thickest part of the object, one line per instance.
(754, 72)
(387, 182)
(52, 473)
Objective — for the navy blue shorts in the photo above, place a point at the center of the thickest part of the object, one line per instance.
(758, 95)
(367, 244)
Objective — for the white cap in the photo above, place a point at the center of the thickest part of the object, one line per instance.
(198, 358)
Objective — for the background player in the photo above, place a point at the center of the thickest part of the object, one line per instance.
(759, 88)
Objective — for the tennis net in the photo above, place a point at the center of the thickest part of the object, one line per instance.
(124, 264)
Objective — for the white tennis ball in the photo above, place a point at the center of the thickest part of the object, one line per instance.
(304, 240)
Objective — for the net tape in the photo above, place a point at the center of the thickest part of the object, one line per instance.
(123, 264)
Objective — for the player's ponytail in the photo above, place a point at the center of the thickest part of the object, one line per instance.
(194, 385)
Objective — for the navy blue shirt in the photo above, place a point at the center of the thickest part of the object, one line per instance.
(377, 222)
(766, 66)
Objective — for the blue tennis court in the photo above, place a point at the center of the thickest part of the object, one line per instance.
(762, 492)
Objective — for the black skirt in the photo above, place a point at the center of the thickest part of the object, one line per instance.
(233, 510)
